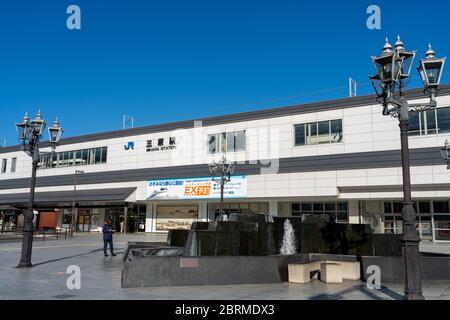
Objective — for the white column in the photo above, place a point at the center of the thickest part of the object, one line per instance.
(203, 212)
(353, 212)
(150, 224)
(273, 208)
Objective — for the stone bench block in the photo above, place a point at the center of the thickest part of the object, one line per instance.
(303, 272)
(331, 272)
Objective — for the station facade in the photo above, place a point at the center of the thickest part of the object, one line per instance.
(339, 158)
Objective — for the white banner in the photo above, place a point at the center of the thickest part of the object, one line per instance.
(195, 188)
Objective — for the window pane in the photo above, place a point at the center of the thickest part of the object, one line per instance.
(387, 207)
(84, 157)
(172, 141)
(324, 132)
(104, 154)
(311, 133)
(336, 131)
(306, 207)
(440, 207)
(4, 164)
(443, 115)
(295, 207)
(98, 155)
(91, 156)
(431, 121)
(160, 142)
(212, 143)
(230, 140)
(13, 164)
(223, 143)
(414, 123)
(318, 207)
(240, 141)
(299, 134)
(342, 206)
(330, 206)
(424, 207)
(397, 207)
(342, 216)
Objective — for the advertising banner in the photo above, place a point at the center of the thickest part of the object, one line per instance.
(195, 188)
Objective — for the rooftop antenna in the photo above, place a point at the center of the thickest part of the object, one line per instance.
(351, 87)
(128, 122)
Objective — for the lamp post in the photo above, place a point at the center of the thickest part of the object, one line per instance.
(393, 68)
(221, 173)
(74, 227)
(30, 134)
(445, 152)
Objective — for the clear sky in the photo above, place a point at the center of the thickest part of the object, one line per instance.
(163, 61)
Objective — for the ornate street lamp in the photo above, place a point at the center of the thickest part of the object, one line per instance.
(393, 67)
(30, 134)
(445, 152)
(221, 173)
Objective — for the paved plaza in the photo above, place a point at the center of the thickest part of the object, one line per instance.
(100, 278)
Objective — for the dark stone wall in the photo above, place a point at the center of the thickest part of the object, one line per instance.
(326, 237)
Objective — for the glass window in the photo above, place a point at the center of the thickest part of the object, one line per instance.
(84, 157)
(330, 206)
(440, 207)
(336, 131)
(431, 121)
(342, 206)
(387, 207)
(443, 118)
(212, 143)
(223, 143)
(414, 124)
(323, 132)
(318, 207)
(424, 207)
(299, 132)
(13, 164)
(230, 139)
(4, 165)
(98, 155)
(78, 157)
(306, 207)
(160, 142)
(318, 132)
(104, 154)
(397, 207)
(295, 208)
(311, 133)
(92, 156)
(240, 141)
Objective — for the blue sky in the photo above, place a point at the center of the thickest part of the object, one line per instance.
(163, 61)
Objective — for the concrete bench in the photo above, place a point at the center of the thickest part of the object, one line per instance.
(304, 272)
(331, 272)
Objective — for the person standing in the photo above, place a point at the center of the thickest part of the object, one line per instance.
(108, 238)
(121, 226)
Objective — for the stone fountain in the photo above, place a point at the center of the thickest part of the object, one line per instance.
(245, 248)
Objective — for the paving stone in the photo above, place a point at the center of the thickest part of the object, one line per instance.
(100, 278)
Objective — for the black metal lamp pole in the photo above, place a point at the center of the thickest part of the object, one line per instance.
(74, 216)
(393, 67)
(221, 173)
(30, 134)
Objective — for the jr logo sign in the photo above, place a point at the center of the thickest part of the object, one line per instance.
(129, 146)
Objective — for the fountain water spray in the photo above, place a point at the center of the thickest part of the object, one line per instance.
(289, 243)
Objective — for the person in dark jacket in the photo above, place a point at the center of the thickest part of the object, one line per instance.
(108, 238)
